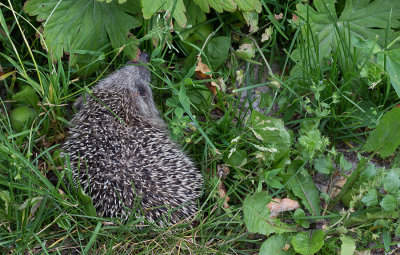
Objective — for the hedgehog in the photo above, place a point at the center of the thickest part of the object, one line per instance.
(122, 156)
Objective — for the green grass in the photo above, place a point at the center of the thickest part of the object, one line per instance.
(322, 105)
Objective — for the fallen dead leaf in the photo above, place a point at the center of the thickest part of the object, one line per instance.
(222, 171)
(223, 194)
(278, 205)
(278, 16)
(337, 187)
(201, 74)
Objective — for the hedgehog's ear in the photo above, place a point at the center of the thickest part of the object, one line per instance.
(78, 104)
(143, 89)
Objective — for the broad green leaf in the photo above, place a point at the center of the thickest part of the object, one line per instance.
(389, 203)
(27, 96)
(393, 68)
(391, 183)
(385, 139)
(217, 50)
(246, 51)
(83, 26)
(249, 5)
(256, 215)
(359, 18)
(151, 7)
(308, 242)
(312, 142)
(251, 21)
(302, 186)
(236, 158)
(371, 198)
(275, 245)
(344, 164)
(300, 213)
(273, 135)
(229, 5)
(323, 165)
(348, 245)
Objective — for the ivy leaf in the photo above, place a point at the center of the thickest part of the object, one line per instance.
(386, 136)
(360, 18)
(309, 242)
(83, 27)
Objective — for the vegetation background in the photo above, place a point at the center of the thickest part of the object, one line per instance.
(274, 99)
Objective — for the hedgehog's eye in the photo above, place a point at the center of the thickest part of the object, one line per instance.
(142, 91)
(147, 58)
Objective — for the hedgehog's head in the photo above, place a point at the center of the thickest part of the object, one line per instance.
(133, 82)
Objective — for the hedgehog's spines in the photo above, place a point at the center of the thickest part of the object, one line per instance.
(118, 134)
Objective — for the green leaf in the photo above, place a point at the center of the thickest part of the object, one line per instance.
(391, 182)
(360, 18)
(344, 164)
(393, 68)
(386, 137)
(300, 213)
(27, 96)
(87, 203)
(22, 117)
(312, 142)
(246, 51)
(323, 165)
(256, 215)
(5, 196)
(272, 179)
(151, 7)
(236, 158)
(348, 245)
(389, 203)
(251, 20)
(217, 50)
(229, 5)
(273, 135)
(302, 186)
(275, 245)
(308, 242)
(371, 198)
(86, 26)
(64, 223)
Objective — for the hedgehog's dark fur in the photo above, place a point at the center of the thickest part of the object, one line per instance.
(121, 153)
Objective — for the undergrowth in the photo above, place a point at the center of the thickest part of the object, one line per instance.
(285, 100)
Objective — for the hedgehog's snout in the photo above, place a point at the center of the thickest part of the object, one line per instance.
(143, 58)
